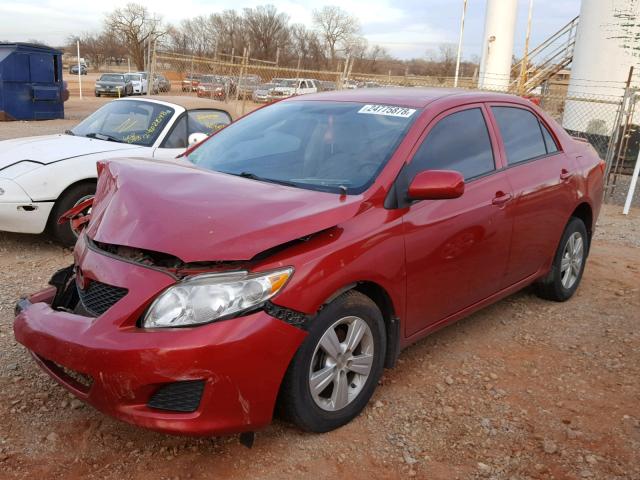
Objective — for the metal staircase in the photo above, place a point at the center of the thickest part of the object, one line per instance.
(546, 60)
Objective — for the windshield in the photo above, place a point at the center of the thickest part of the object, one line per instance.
(329, 146)
(111, 78)
(288, 83)
(134, 78)
(127, 121)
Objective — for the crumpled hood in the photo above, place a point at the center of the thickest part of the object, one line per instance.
(198, 215)
(52, 148)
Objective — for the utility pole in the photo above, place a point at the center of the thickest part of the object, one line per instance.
(79, 69)
(464, 12)
(524, 67)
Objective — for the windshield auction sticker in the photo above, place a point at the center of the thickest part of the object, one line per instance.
(387, 110)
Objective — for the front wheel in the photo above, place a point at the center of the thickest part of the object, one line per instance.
(335, 371)
(568, 264)
(69, 199)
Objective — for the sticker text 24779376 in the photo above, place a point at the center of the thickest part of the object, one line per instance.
(387, 110)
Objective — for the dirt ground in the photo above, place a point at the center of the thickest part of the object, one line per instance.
(525, 389)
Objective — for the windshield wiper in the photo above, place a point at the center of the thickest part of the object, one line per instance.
(253, 176)
(69, 132)
(102, 136)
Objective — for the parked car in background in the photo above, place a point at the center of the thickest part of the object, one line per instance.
(350, 84)
(193, 307)
(247, 85)
(191, 82)
(113, 84)
(262, 93)
(138, 82)
(326, 86)
(73, 69)
(145, 77)
(42, 177)
(164, 85)
(371, 85)
(212, 86)
(290, 87)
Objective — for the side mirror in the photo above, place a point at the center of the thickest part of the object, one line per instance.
(436, 185)
(197, 138)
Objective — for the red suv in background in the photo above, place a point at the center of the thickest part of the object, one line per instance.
(289, 258)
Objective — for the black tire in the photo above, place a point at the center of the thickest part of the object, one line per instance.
(296, 402)
(97, 94)
(63, 233)
(551, 287)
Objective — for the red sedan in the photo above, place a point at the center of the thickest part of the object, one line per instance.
(288, 259)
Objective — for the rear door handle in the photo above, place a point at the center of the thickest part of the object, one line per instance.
(565, 174)
(501, 198)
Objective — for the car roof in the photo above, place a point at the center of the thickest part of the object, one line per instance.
(408, 96)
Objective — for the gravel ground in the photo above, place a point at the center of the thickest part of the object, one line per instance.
(525, 389)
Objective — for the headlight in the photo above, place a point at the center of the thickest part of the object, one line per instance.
(205, 298)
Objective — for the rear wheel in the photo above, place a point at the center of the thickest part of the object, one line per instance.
(568, 265)
(69, 199)
(335, 371)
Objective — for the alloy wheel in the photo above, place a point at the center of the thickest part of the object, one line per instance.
(572, 258)
(341, 363)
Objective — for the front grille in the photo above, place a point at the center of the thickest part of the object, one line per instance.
(178, 396)
(99, 297)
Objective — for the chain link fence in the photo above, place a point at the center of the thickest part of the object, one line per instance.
(605, 121)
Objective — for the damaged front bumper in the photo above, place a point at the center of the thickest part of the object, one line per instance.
(218, 378)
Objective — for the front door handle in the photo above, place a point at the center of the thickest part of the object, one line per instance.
(565, 174)
(501, 198)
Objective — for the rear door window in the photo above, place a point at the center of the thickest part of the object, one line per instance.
(460, 142)
(521, 133)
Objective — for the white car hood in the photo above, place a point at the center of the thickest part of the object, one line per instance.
(53, 148)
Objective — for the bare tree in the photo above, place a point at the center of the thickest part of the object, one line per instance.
(231, 33)
(336, 27)
(447, 59)
(376, 55)
(266, 29)
(134, 25)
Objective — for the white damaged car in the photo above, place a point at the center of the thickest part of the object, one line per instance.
(43, 177)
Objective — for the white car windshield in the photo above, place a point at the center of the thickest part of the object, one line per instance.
(126, 121)
(134, 78)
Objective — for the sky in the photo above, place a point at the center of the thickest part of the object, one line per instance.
(406, 28)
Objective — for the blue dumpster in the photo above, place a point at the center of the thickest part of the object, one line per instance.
(31, 85)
